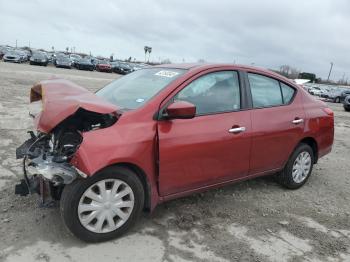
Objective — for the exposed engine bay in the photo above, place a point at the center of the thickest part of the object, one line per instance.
(47, 156)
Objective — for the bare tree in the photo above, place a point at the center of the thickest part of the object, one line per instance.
(294, 73)
(166, 61)
(288, 71)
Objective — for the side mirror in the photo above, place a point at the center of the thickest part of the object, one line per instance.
(181, 110)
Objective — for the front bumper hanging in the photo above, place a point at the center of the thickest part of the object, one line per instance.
(43, 173)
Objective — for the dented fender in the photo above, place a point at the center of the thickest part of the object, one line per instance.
(104, 147)
(111, 146)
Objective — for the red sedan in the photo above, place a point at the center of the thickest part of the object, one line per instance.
(165, 132)
(104, 66)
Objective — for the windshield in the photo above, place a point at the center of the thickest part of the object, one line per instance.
(135, 89)
(39, 55)
(75, 56)
(123, 65)
(63, 58)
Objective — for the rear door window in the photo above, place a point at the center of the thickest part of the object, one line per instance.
(266, 91)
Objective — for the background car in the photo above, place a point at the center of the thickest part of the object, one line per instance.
(28, 53)
(114, 64)
(122, 68)
(316, 91)
(346, 103)
(13, 56)
(103, 66)
(63, 62)
(23, 55)
(334, 95)
(49, 56)
(344, 94)
(4, 50)
(56, 56)
(84, 64)
(73, 58)
(135, 66)
(38, 58)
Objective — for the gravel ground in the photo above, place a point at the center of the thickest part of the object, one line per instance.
(256, 220)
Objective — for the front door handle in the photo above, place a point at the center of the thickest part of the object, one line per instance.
(298, 121)
(236, 130)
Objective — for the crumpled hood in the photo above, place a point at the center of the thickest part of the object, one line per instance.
(61, 99)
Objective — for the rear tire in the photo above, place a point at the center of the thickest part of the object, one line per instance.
(75, 197)
(295, 175)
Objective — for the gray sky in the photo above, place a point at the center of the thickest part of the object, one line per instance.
(307, 34)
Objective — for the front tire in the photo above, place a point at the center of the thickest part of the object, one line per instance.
(298, 168)
(337, 100)
(104, 206)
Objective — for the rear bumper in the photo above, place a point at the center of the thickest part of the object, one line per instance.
(64, 66)
(37, 63)
(85, 67)
(105, 70)
(12, 60)
(324, 151)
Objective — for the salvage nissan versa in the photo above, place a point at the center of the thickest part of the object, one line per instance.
(165, 132)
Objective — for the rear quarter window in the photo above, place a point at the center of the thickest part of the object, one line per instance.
(287, 93)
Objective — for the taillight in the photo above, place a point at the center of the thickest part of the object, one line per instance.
(328, 111)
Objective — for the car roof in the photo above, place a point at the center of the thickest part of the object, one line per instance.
(206, 66)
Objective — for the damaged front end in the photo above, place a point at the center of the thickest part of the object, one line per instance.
(48, 153)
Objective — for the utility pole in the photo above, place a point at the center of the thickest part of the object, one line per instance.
(16, 43)
(330, 71)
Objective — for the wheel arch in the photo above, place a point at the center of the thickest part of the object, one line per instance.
(143, 178)
(313, 144)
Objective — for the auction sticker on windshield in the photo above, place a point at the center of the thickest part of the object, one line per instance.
(166, 73)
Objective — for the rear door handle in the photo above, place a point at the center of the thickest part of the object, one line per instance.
(298, 121)
(236, 130)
